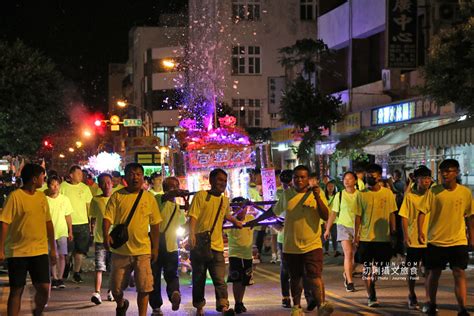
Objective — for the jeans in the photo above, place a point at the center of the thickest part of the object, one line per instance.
(168, 263)
(216, 269)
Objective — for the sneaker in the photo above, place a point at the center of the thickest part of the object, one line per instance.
(157, 312)
(240, 308)
(337, 254)
(311, 305)
(54, 284)
(412, 303)
(274, 258)
(122, 311)
(110, 297)
(96, 299)
(463, 312)
(61, 284)
(372, 302)
(350, 287)
(326, 309)
(228, 312)
(175, 300)
(286, 302)
(345, 279)
(77, 278)
(430, 309)
(251, 281)
(296, 311)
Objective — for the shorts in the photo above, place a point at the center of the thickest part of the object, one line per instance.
(122, 266)
(61, 246)
(310, 264)
(457, 256)
(375, 252)
(240, 270)
(415, 256)
(345, 233)
(81, 234)
(101, 255)
(37, 266)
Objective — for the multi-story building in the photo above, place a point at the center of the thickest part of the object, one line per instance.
(378, 49)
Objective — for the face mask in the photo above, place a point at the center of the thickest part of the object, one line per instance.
(371, 181)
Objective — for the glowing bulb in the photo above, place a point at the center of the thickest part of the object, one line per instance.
(180, 232)
(168, 63)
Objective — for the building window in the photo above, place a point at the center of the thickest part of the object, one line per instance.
(162, 133)
(247, 112)
(246, 60)
(307, 10)
(246, 10)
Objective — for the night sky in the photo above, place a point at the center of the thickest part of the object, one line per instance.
(81, 37)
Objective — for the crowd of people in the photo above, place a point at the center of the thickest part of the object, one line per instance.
(134, 227)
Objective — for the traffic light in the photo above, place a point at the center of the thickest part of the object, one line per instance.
(47, 144)
(98, 123)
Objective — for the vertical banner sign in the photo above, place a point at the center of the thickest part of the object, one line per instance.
(268, 184)
(401, 34)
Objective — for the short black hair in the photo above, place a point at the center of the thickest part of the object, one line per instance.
(51, 173)
(373, 167)
(155, 175)
(102, 176)
(166, 183)
(238, 199)
(351, 173)
(422, 171)
(53, 178)
(313, 175)
(215, 172)
(74, 168)
(115, 174)
(397, 172)
(29, 171)
(301, 167)
(449, 163)
(286, 176)
(129, 167)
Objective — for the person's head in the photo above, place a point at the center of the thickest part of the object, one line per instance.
(32, 174)
(449, 170)
(53, 184)
(300, 178)
(117, 178)
(240, 214)
(326, 179)
(423, 178)
(218, 180)
(156, 179)
(373, 174)
(75, 174)
(330, 189)
(286, 177)
(170, 184)
(105, 183)
(349, 179)
(360, 174)
(382, 183)
(313, 179)
(277, 178)
(256, 176)
(134, 176)
(397, 175)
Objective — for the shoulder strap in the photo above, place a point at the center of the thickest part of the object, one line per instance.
(217, 215)
(134, 207)
(340, 201)
(171, 218)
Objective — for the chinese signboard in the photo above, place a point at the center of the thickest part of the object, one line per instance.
(268, 184)
(287, 134)
(207, 159)
(410, 110)
(276, 85)
(401, 34)
(350, 124)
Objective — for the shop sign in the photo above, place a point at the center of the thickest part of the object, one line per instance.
(287, 134)
(350, 124)
(402, 34)
(206, 159)
(268, 184)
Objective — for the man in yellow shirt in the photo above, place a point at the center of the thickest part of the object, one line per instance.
(156, 184)
(448, 205)
(416, 252)
(80, 196)
(98, 205)
(205, 208)
(26, 230)
(117, 181)
(168, 258)
(141, 250)
(374, 227)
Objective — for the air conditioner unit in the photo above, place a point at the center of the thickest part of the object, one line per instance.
(390, 80)
(446, 12)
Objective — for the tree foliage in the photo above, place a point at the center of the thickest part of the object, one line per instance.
(449, 71)
(30, 98)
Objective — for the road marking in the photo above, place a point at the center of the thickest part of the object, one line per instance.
(341, 301)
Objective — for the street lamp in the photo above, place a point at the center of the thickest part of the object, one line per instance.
(168, 64)
(148, 117)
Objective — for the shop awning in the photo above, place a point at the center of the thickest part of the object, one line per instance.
(400, 137)
(454, 134)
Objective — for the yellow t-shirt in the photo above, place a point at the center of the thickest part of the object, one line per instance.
(204, 209)
(26, 216)
(360, 184)
(59, 208)
(167, 208)
(147, 213)
(80, 195)
(447, 210)
(409, 210)
(94, 189)
(98, 205)
(155, 192)
(347, 209)
(241, 241)
(375, 209)
(302, 229)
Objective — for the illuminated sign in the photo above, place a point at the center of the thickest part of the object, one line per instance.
(206, 159)
(394, 113)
